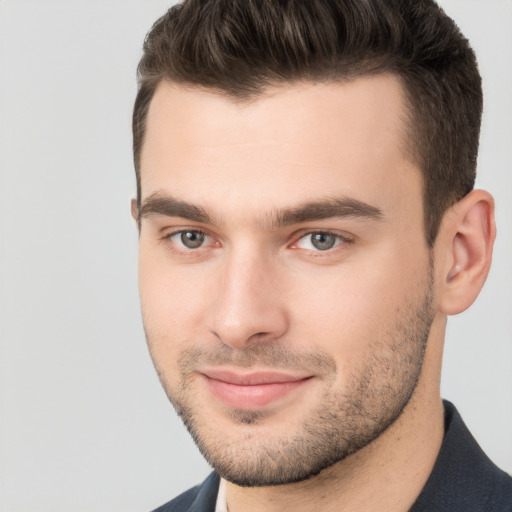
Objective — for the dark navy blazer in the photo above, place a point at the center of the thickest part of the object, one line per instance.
(463, 479)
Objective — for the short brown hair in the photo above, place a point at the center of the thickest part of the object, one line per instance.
(239, 47)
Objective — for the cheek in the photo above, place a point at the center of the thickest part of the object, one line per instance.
(173, 300)
(346, 311)
(171, 318)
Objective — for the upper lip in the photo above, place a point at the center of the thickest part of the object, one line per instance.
(253, 378)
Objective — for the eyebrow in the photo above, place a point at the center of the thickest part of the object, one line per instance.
(344, 207)
(160, 204)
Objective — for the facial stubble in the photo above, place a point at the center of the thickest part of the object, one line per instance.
(343, 421)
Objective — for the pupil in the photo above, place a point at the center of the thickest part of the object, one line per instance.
(192, 239)
(322, 241)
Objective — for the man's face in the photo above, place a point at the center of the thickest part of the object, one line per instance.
(284, 277)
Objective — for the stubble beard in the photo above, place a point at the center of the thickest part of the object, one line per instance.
(344, 421)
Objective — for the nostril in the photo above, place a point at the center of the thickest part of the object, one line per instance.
(260, 336)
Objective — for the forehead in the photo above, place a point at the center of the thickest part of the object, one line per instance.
(292, 144)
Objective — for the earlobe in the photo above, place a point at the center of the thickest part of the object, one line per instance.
(467, 238)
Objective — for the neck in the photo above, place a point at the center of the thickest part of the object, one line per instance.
(386, 475)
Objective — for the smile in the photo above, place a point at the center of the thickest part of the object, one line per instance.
(251, 391)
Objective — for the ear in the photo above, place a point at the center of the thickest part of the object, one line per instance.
(134, 210)
(466, 240)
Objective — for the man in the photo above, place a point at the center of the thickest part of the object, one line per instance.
(307, 221)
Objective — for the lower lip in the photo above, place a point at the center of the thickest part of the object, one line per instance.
(252, 397)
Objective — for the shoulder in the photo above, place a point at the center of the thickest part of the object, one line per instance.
(201, 498)
(464, 478)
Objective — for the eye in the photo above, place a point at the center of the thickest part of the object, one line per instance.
(189, 239)
(319, 241)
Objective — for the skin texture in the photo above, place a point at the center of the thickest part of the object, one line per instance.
(286, 235)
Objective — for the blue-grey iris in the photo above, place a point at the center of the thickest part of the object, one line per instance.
(192, 239)
(323, 241)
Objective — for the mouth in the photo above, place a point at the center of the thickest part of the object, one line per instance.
(251, 391)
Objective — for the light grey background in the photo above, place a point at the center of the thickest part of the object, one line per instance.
(84, 425)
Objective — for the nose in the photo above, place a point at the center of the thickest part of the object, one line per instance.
(249, 306)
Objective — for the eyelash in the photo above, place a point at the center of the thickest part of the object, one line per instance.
(340, 240)
(169, 238)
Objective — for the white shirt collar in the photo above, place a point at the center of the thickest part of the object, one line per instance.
(221, 505)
